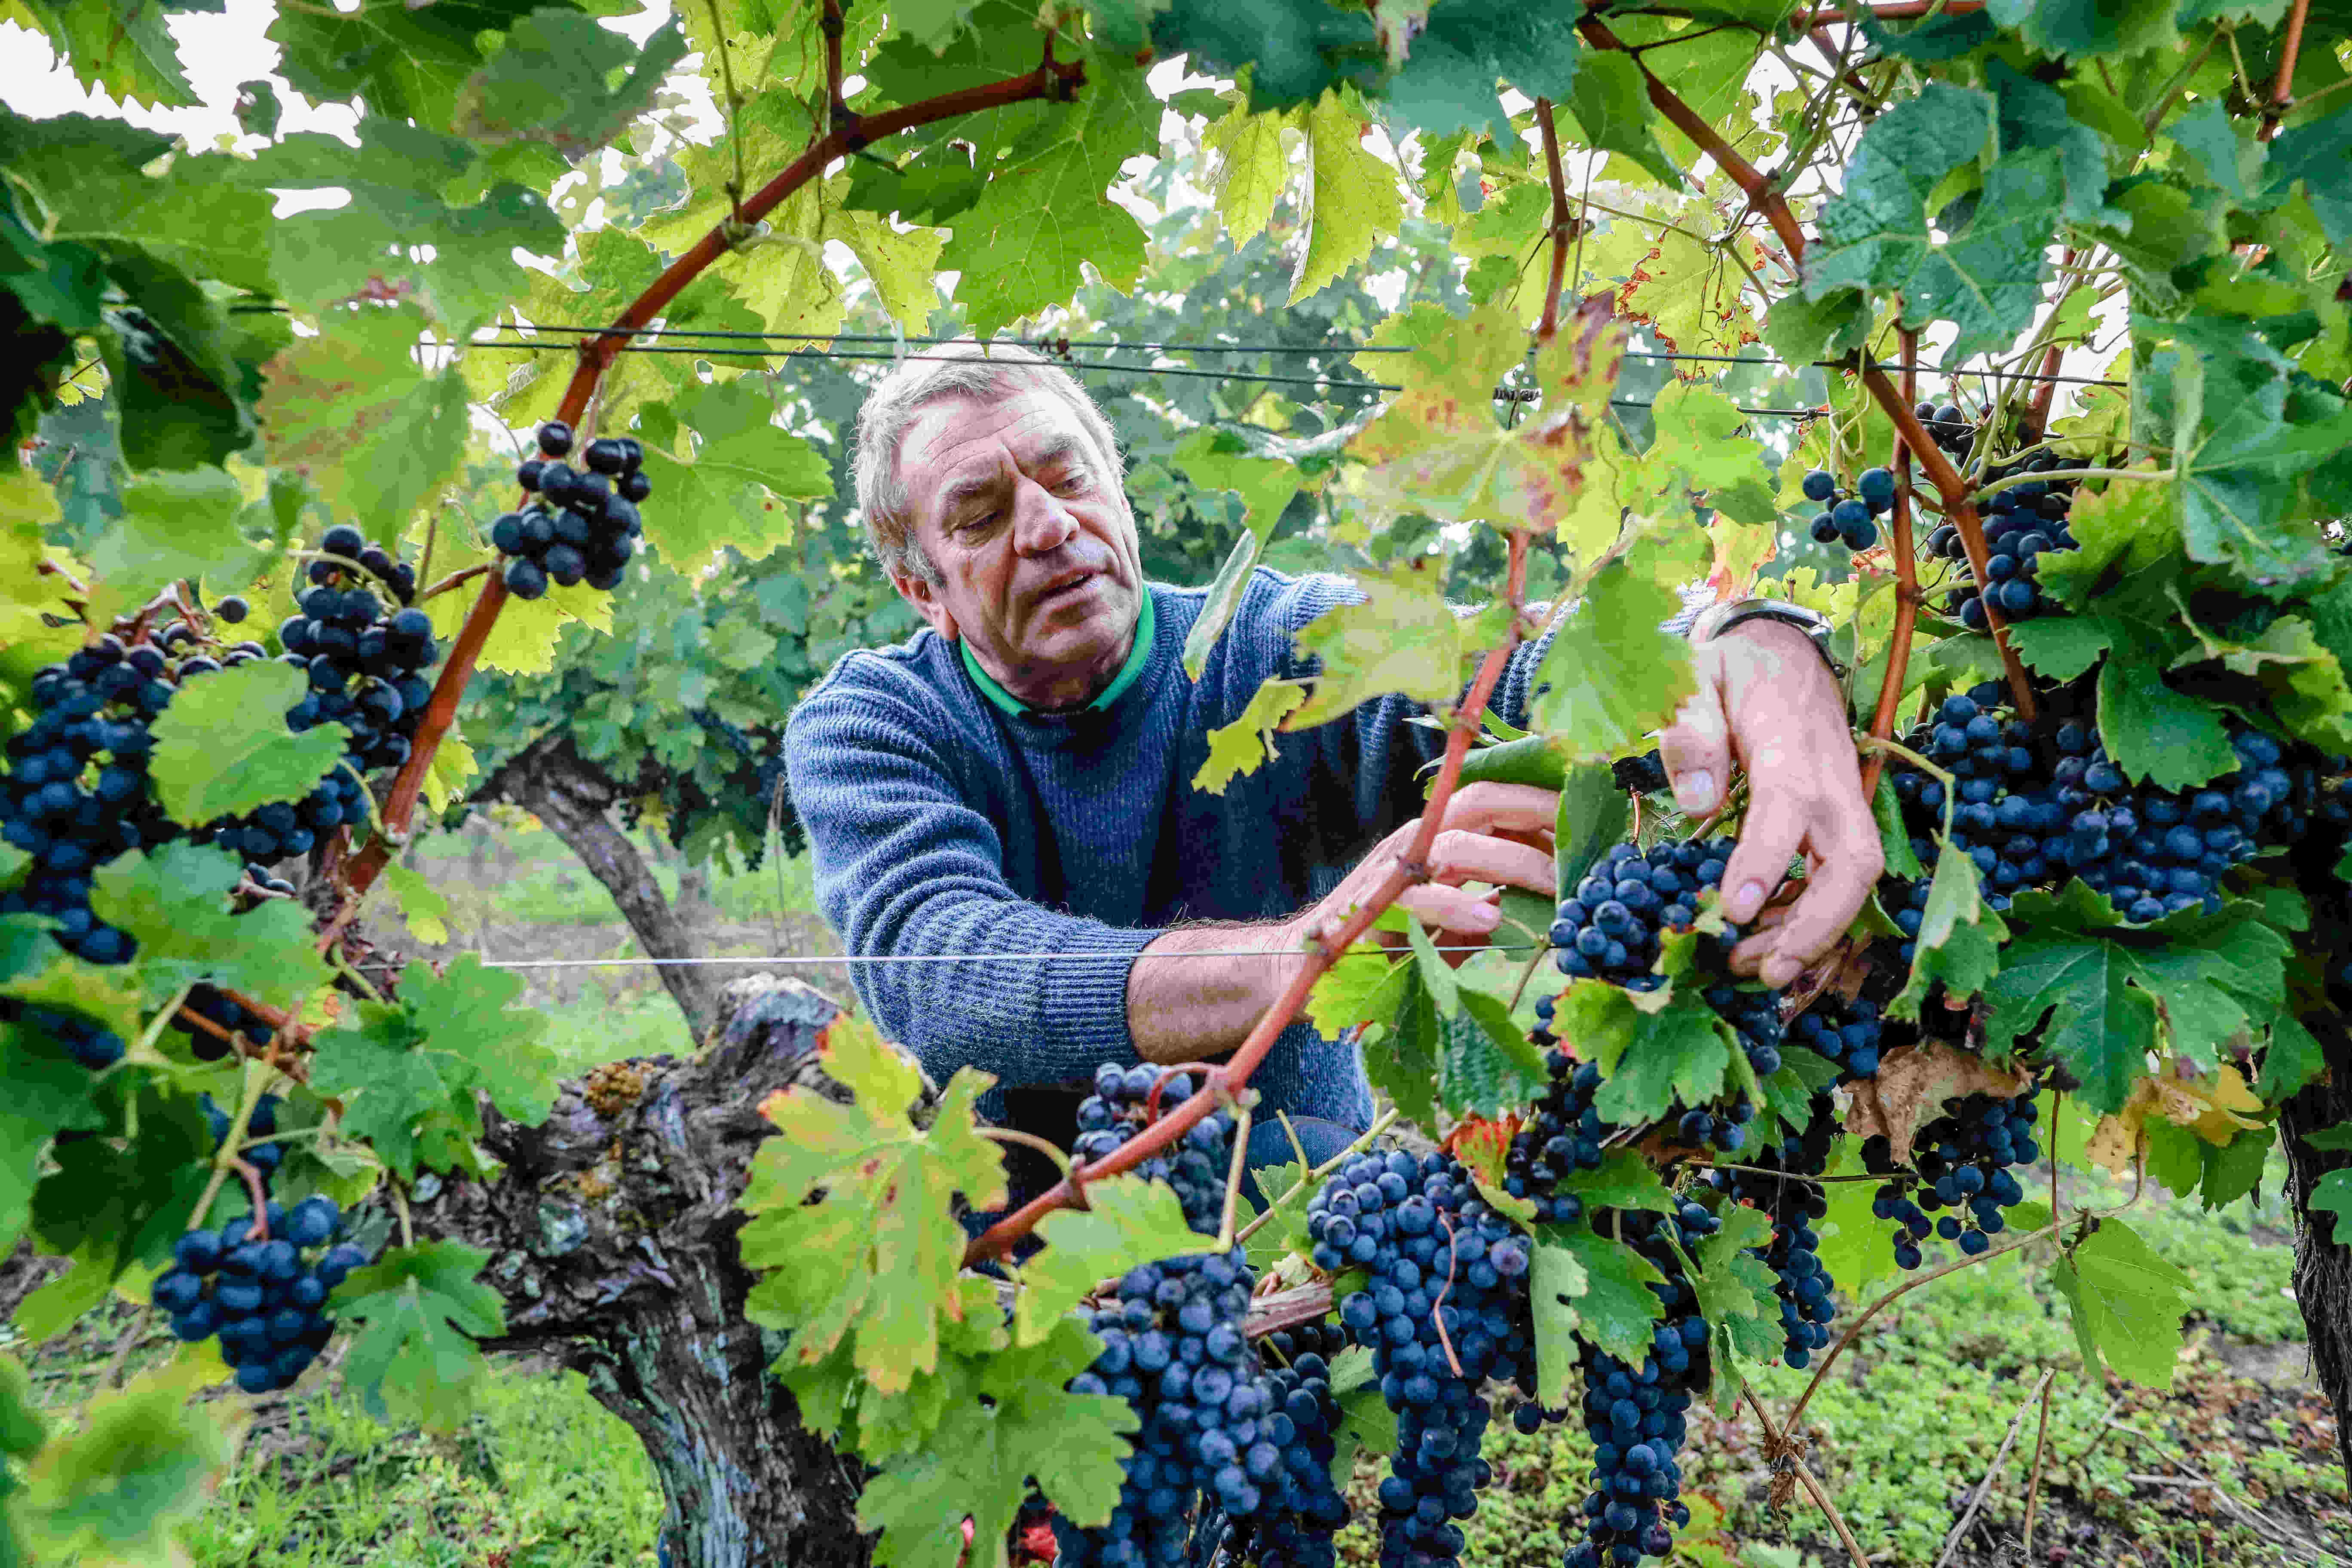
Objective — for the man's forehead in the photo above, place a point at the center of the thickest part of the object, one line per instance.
(960, 433)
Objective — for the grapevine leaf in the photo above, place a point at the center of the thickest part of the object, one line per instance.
(407, 64)
(877, 1259)
(1365, 987)
(123, 47)
(2244, 430)
(409, 1071)
(1045, 209)
(1438, 447)
(728, 493)
(1252, 168)
(174, 902)
(1801, 328)
(1853, 1246)
(1613, 677)
(1734, 1291)
(2332, 1196)
(1610, 103)
(1648, 1059)
(1556, 1280)
(1353, 199)
(173, 525)
(2126, 1302)
(122, 1483)
(2062, 647)
(2313, 155)
(1617, 1308)
(1400, 636)
(2088, 29)
(1986, 276)
(1448, 81)
(398, 182)
(34, 970)
(552, 83)
(2156, 735)
(48, 1094)
(1624, 1180)
(424, 1307)
(423, 907)
(1239, 747)
(350, 408)
(1958, 944)
(1020, 1423)
(2292, 1060)
(2101, 984)
(1593, 814)
(1488, 1066)
(1788, 1093)
(1893, 834)
(1911, 1085)
(1366, 1422)
(2035, 115)
(1407, 1063)
(1126, 1222)
(222, 748)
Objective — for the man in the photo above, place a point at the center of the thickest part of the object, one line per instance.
(1014, 784)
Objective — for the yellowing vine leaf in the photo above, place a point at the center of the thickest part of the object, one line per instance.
(2214, 1106)
(875, 1259)
(1912, 1085)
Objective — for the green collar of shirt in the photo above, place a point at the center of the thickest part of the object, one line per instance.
(1146, 625)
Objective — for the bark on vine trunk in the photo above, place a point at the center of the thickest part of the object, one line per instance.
(2323, 1249)
(612, 1232)
(572, 795)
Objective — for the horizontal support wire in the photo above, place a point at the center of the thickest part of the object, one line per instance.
(1059, 344)
(805, 958)
(1508, 394)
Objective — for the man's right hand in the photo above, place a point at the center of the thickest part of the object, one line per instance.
(1499, 835)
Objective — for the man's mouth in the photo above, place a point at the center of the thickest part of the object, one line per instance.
(1068, 587)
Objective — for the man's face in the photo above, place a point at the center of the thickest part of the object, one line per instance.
(1028, 527)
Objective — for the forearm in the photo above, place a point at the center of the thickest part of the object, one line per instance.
(1182, 1006)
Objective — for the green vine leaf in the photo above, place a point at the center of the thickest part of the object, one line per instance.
(423, 1308)
(2126, 1302)
(222, 748)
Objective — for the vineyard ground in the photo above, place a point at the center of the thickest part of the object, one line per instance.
(2234, 1467)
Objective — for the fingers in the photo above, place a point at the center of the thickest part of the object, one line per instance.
(1768, 843)
(1453, 914)
(1834, 895)
(1696, 750)
(1456, 856)
(1487, 806)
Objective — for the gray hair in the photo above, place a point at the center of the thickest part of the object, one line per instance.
(962, 369)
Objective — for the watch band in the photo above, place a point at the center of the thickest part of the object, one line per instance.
(1815, 625)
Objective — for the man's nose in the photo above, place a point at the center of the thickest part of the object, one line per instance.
(1040, 523)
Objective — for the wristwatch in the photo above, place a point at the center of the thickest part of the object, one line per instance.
(1815, 625)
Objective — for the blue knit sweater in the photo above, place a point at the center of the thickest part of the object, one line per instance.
(941, 824)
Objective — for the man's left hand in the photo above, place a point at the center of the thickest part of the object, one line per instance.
(1765, 697)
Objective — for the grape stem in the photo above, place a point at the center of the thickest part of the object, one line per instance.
(1324, 950)
(1381, 1124)
(1962, 514)
(1051, 79)
(1044, 1146)
(458, 579)
(2281, 97)
(1780, 1447)
(154, 1032)
(1854, 1329)
(1234, 1171)
(1563, 226)
(226, 1158)
(2159, 475)
(1906, 582)
(1992, 1472)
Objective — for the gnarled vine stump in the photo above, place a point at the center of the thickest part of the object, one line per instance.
(614, 1233)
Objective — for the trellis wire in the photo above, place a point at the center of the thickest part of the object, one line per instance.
(931, 958)
(717, 333)
(1255, 377)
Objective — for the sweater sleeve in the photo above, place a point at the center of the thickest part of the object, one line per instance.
(905, 868)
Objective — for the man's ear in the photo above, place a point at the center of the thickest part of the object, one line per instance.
(924, 596)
